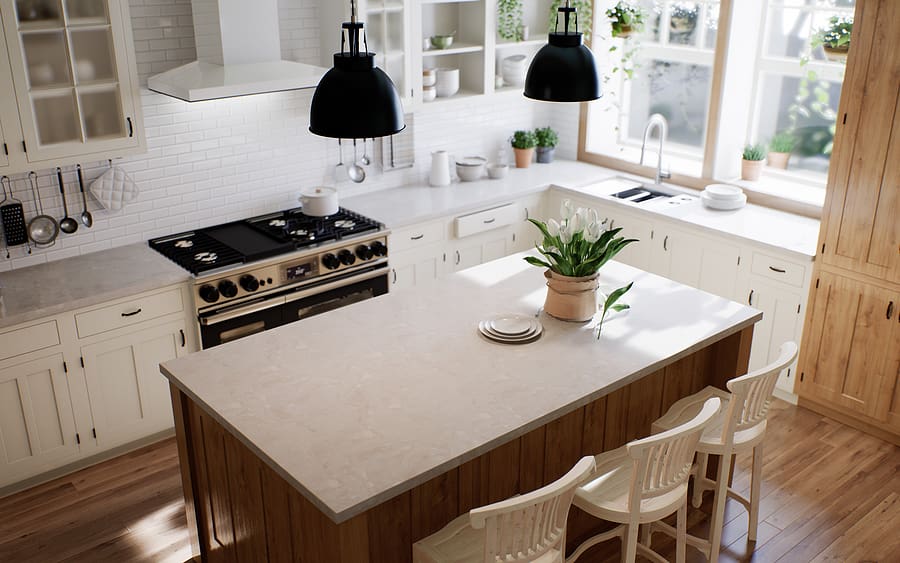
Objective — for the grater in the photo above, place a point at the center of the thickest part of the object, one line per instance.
(12, 217)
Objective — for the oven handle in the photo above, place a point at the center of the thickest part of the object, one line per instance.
(235, 313)
(335, 285)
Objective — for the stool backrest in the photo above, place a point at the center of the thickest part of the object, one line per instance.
(525, 527)
(752, 393)
(663, 461)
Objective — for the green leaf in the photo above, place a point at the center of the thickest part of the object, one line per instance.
(537, 262)
(610, 305)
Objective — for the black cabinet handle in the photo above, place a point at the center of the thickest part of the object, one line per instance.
(890, 310)
(417, 237)
(131, 314)
(395, 276)
(779, 270)
(666, 243)
(489, 221)
(130, 127)
(183, 338)
(750, 298)
(458, 258)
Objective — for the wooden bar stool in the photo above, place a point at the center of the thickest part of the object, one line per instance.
(526, 528)
(740, 427)
(642, 482)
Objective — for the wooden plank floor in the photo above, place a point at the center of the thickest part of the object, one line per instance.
(830, 493)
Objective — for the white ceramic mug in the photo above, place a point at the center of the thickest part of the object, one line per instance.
(447, 82)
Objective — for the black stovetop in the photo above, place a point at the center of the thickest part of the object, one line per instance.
(257, 238)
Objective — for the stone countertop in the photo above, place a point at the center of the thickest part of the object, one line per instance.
(781, 231)
(81, 281)
(358, 405)
(399, 207)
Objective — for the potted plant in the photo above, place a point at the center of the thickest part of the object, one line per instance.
(509, 20)
(682, 22)
(780, 147)
(625, 19)
(523, 143)
(573, 251)
(546, 139)
(751, 165)
(834, 38)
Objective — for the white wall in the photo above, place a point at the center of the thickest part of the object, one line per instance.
(223, 160)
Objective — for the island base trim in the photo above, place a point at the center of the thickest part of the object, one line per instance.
(239, 509)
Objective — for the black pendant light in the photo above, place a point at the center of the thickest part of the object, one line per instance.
(355, 100)
(564, 70)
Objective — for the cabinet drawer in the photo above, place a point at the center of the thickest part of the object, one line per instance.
(778, 269)
(486, 220)
(23, 340)
(416, 236)
(128, 313)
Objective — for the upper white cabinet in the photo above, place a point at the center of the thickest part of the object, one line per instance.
(74, 87)
(37, 426)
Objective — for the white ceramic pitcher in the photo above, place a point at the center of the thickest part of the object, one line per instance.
(440, 169)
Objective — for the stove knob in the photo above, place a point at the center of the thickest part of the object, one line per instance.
(227, 288)
(209, 293)
(379, 249)
(331, 262)
(249, 283)
(363, 252)
(346, 257)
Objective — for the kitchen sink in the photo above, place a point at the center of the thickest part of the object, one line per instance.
(640, 194)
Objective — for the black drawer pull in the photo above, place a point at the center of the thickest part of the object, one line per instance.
(890, 310)
(417, 237)
(130, 127)
(183, 338)
(750, 298)
(779, 270)
(489, 221)
(131, 314)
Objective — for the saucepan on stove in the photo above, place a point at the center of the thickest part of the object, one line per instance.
(319, 201)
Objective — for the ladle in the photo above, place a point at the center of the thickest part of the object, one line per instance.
(340, 171)
(355, 171)
(86, 218)
(365, 160)
(67, 224)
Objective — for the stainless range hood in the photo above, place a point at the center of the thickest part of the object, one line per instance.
(238, 54)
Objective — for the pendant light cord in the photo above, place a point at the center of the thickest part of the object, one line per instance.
(567, 12)
(353, 28)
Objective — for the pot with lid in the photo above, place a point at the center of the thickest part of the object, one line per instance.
(319, 201)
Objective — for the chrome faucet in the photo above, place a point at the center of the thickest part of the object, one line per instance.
(659, 122)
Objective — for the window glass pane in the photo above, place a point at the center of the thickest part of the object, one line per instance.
(93, 53)
(57, 119)
(683, 20)
(46, 58)
(678, 91)
(712, 26)
(102, 117)
(788, 33)
(804, 108)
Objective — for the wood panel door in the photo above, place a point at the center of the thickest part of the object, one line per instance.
(863, 232)
(37, 426)
(129, 397)
(851, 345)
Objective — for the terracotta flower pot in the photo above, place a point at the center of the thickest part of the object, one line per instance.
(523, 157)
(778, 159)
(836, 54)
(751, 169)
(571, 299)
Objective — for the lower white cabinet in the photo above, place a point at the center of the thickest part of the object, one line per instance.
(699, 262)
(37, 426)
(128, 395)
(782, 320)
(416, 267)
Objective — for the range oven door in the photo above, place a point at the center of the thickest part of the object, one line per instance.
(225, 325)
(307, 302)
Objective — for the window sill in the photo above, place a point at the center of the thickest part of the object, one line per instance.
(784, 194)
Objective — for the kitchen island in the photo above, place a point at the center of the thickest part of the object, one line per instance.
(348, 436)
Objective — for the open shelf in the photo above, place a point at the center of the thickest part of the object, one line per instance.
(461, 95)
(456, 49)
(532, 42)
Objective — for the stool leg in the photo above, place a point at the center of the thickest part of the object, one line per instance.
(681, 533)
(755, 480)
(718, 515)
(697, 497)
(629, 543)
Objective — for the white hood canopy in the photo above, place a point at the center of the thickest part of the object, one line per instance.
(238, 53)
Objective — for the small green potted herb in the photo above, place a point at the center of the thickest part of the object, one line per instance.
(547, 139)
(752, 163)
(834, 38)
(780, 147)
(625, 19)
(523, 143)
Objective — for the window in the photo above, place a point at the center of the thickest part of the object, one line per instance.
(760, 77)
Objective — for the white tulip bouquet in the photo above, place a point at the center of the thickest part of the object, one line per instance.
(578, 245)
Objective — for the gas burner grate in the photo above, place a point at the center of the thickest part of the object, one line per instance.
(196, 252)
(303, 230)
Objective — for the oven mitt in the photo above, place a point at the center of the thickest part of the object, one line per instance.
(114, 188)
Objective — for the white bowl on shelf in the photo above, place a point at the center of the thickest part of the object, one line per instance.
(513, 70)
(723, 204)
(429, 93)
(447, 83)
(723, 192)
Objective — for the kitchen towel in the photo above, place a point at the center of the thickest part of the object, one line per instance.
(114, 188)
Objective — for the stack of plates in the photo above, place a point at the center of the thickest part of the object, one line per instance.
(511, 329)
(723, 197)
(513, 70)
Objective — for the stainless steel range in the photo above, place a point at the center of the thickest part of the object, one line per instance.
(257, 274)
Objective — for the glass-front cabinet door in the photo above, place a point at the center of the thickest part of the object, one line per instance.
(74, 86)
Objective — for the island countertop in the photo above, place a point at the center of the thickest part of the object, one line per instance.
(360, 404)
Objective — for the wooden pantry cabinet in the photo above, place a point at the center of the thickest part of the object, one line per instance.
(850, 356)
(69, 88)
(86, 384)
